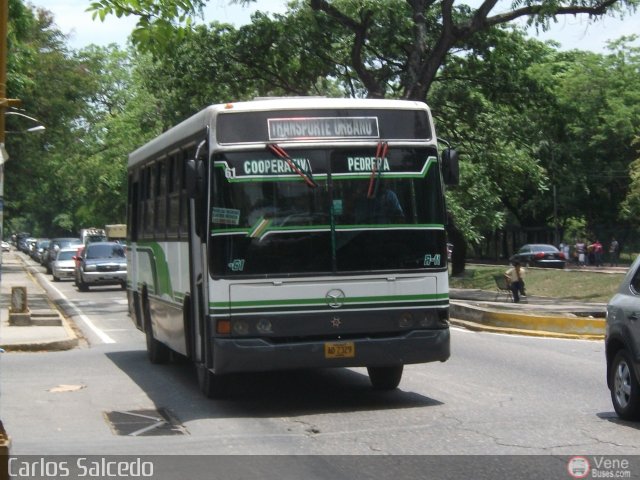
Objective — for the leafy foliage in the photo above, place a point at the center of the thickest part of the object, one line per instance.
(526, 118)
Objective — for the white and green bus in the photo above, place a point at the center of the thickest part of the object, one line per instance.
(292, 233)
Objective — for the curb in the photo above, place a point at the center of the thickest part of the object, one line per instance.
(477, 327)
(535, 323)
(53, 346)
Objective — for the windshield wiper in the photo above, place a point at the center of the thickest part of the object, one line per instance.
(376, 171)
(280, 152)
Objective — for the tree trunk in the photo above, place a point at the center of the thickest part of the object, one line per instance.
(459, 253)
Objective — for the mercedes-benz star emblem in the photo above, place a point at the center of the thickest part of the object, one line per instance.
(335, 298)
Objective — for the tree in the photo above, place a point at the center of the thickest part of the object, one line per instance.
(426, 31)
(591, 133)
(73, 175)
(43, 74)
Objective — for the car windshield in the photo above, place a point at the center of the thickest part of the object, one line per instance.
(66, 255)
(105, 251)
(68, 242)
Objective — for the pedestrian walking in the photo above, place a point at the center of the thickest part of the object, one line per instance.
(614, 252)
(597, 253)
(581, 250)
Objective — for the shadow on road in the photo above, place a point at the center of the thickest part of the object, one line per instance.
(265, 394)
(613, 418)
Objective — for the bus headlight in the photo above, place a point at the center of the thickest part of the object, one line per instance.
(239, 327)
(406, 320)
(264, 326)
(430, 319)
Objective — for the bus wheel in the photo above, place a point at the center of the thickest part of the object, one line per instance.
(212, 385)
(157, 351)
(385, 378)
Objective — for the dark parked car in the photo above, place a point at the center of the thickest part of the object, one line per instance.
(622, 345)
(40, 249)
(101, 263)
(55, 245)
(539, 255)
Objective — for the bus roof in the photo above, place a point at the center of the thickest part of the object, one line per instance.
(199, 121)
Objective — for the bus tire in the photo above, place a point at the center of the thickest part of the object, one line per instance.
(212, 385)
(157, 351)
(385, 378)
(189, 334)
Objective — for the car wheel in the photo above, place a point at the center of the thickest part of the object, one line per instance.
(625, 390)
(82, 285)
(56, 279)
(385, 378)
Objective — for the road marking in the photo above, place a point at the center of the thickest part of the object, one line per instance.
(460, 329)
(101, 335)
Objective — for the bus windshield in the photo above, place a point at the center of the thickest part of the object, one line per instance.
(366, 212)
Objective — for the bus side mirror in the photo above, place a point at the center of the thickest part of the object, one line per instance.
(195, 185)
(194, 178)
(450, 167)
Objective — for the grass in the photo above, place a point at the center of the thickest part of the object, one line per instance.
(587, 286)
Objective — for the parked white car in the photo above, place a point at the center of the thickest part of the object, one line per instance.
(63, 266)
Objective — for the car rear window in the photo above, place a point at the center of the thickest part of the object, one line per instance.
(65, 255)
(105, 251)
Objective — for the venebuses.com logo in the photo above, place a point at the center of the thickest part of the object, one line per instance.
(598, 467)
(578, 467)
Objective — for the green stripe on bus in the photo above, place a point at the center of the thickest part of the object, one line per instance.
(323, 301)
(162, 278)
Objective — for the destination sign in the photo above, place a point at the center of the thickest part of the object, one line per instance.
(322, 128)
(326, 125)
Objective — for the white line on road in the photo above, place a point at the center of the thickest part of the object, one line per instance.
(101, 335)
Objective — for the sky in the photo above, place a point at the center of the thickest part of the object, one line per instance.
(70, 16)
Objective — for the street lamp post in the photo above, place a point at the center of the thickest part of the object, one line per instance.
(38, 128)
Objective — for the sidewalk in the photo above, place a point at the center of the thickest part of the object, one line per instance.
(47, 330)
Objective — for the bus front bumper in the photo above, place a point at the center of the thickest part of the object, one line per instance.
(255, 354)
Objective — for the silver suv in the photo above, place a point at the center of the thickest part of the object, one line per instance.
(101, 263)
(622, 345)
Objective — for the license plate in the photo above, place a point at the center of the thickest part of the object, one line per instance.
(339, 350)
